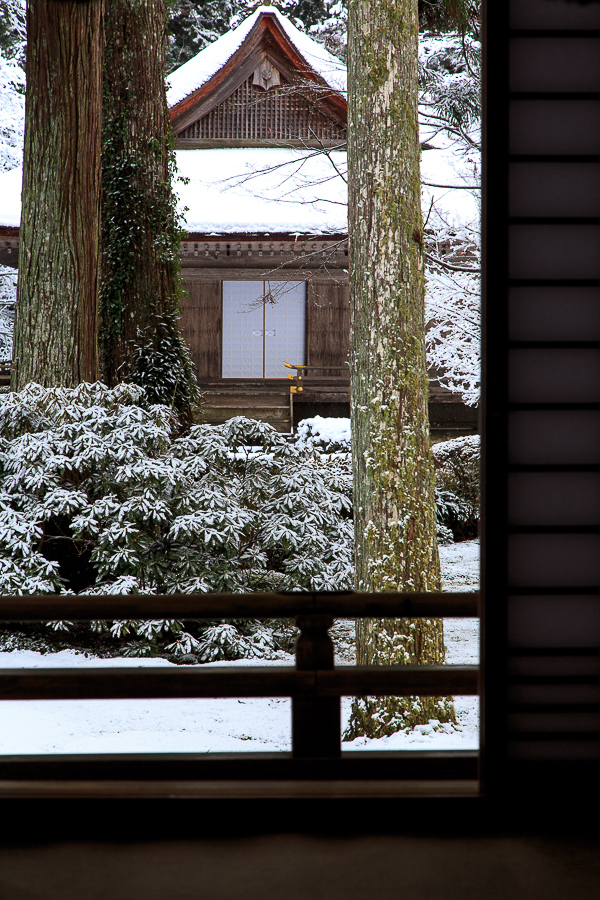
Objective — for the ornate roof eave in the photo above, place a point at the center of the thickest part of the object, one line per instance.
(265, 34)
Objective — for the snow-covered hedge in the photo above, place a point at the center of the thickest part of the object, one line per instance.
(8, 297)
(457, 473)
(457, 480)
(324, 433)
(99, 496)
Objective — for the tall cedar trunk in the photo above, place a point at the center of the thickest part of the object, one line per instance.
(55, 328)
(139, 306)
(394, 502)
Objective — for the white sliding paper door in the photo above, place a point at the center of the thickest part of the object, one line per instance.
(243, 329)
(264, 324)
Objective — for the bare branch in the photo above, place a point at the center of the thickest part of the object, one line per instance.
(445, 265)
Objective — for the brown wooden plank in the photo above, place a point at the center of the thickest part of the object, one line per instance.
(147, 683)
(352, 765)
(328, 325)
(260, 605)
(201, 325)
(283, 790)
(398, 681)
(275, 681)
(316, 720)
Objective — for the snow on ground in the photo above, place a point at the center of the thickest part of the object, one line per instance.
(244, 724)
(460, 566)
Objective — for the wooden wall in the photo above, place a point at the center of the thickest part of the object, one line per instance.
(201, 324)
(327, 325)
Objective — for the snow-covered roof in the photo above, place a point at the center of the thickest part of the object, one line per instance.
(198, 70)
(278, 190)
(447, 177)
(10, 192)
(243, 190)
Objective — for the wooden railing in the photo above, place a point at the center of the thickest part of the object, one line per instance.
(315, 686)
(297, 386)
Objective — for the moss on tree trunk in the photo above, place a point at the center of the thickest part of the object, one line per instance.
(140, 285)
(55, 327)
(394, 502)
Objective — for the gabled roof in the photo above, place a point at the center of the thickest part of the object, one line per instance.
(215, 72)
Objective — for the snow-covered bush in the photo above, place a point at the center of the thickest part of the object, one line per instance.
(457, 478)
(98, 496)
(457, 473)
(8, 298)
(324, 433)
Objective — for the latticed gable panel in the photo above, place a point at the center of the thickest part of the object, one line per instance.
(282, 113)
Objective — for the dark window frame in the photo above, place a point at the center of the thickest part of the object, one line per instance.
(497, 788)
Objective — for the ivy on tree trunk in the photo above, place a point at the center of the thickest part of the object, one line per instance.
(139, 338)
(394, 504)
(55, 327)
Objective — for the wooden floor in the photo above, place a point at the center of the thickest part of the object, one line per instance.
(270, 401)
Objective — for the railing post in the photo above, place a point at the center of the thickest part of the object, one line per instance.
(316, 721)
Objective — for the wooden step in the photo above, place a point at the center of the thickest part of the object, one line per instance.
(310, 396)
(248, 401)
(278, 417)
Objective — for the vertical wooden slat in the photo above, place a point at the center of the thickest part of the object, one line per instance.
(328, 325)
(276, 114)
(201, 317)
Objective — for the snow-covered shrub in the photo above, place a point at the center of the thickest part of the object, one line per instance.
(457, 478)
(457, 473)
(323, 433)
(455, 518)
(99, 496)
(8, 298)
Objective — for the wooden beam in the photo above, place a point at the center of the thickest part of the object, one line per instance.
(251, 681)
(46, 608)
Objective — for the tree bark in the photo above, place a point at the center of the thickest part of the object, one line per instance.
(140, 285)
(394, 501)
(55, 328)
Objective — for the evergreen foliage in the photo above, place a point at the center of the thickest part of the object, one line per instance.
(457, 465)
(13, 31)
(193, 25)
(12, 83)
(462, 16)
(99, 496)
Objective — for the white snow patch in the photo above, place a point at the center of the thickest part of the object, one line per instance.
(10, 191)
(323, 429)
(458, 205)
(262, 190)
(243, 191)
(460, 566)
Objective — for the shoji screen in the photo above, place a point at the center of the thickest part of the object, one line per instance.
(542, 408)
